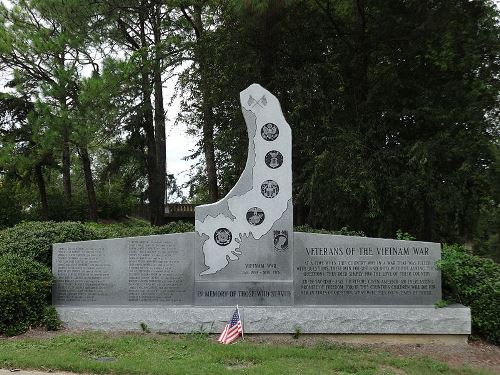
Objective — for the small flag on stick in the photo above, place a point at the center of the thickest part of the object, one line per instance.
(232, 330)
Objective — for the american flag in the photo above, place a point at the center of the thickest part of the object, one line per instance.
(232, 330)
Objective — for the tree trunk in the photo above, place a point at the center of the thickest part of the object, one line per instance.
(44, 213)
(269, 42)
(66, 165)
(208, 123)
(66, 155)
(155, 194)
(159, 117)
(428, 225)
(89, 182)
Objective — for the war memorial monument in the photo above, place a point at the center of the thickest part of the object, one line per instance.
(244, 252)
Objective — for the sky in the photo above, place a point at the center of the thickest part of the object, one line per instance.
(179, 144)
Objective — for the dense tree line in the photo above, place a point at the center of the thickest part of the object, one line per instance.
(393, 105)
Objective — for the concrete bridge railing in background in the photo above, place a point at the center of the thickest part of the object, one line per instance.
(173, 211)
(180, 210)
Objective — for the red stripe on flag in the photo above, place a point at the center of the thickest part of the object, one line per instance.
(222, 336)
(232, 333)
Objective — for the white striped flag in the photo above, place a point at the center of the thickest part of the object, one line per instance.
(232, 330)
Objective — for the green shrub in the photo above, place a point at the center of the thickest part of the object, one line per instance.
(345, 231)
(60, 210)
(131, 228)
(475, 282)
(51, 319)
(144, 327)
(400, 235)
(114, 203)
(134, 227)
(34, 239)
(174, 227)
(24, 290)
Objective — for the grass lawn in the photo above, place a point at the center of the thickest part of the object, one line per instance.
(199, 354)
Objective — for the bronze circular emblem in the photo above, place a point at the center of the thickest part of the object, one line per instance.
(269, 131)
(269, 189)
(223, 236)
(255, 216)
(274, 159)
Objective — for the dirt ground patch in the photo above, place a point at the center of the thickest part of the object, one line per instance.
(478, 354)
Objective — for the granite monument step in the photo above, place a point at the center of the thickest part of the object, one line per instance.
(420, 319)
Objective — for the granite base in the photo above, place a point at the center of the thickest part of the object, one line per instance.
(414, 320)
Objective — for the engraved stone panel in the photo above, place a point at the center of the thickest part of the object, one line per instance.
(343, 270)
(272, 249)
(262, 293)
(160, 271)
(125, 271)
(258, 206)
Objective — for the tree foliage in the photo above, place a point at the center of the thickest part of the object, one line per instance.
(393, 107)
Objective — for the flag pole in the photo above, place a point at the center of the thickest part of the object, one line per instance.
(242, 325)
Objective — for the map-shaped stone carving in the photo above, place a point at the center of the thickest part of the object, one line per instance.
(262, 194)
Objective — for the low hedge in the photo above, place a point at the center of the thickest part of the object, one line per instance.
(135, 228)
(34, 239)
(24, 292)
(475, 282)
(344, 231)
